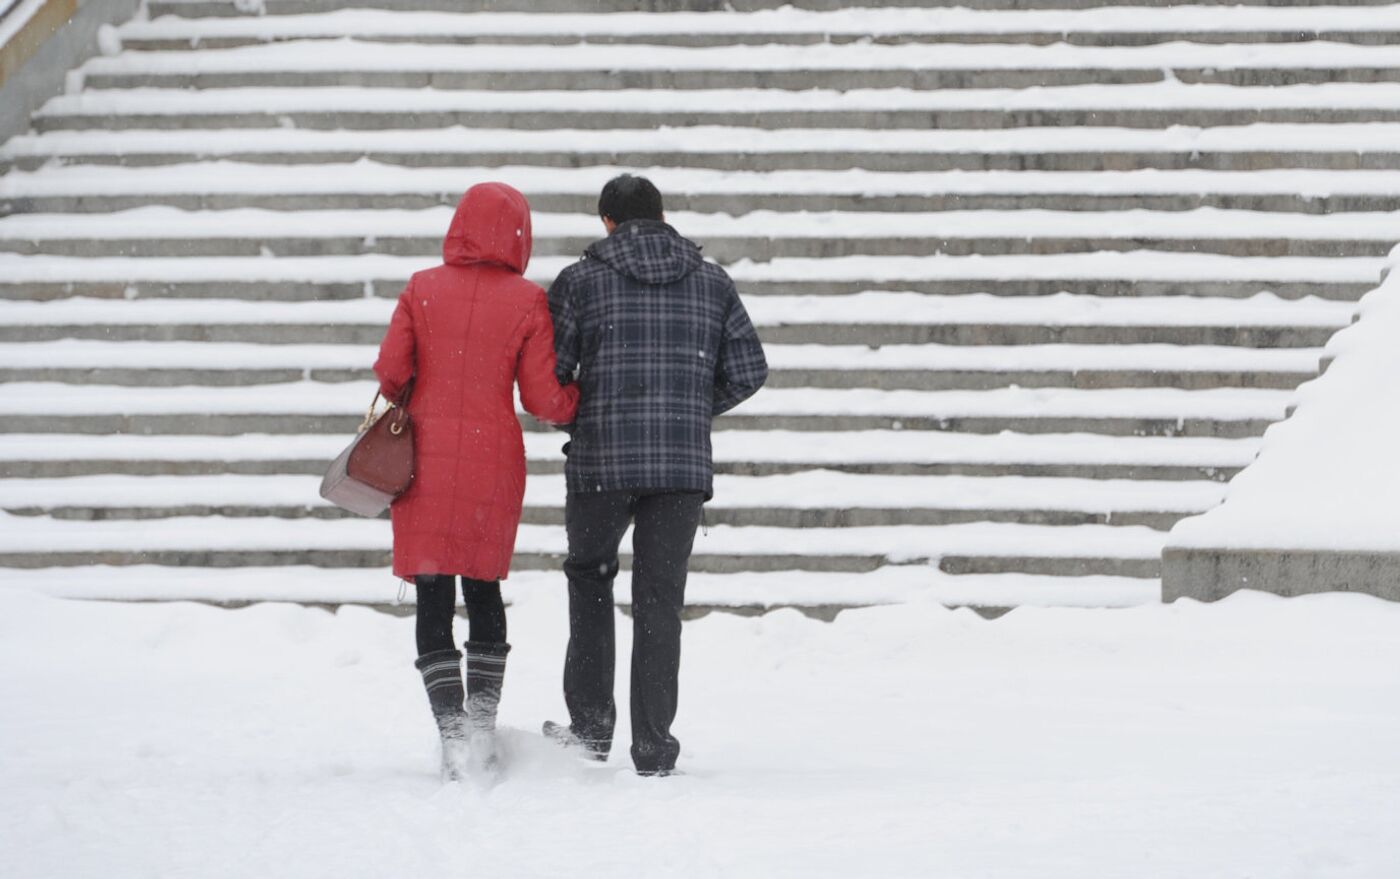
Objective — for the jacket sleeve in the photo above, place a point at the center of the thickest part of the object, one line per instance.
(395, 365)
(541, 391)
(566, 331)
(740, 368)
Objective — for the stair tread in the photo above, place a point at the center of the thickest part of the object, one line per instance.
(374, 178)
(902, 543)
(812, 490)
(234, 356)
(711, 139)
(805, 447)
(1061, 309)
(357, 55)
(862, 21)
(346, 399)
(798, 588)
(359, 99)
(158, 222)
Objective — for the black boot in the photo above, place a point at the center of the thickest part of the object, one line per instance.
(442, 677)
(486, 674)
(566, 738)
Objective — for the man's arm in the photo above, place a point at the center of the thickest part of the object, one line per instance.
(741, 369)
(566, 332)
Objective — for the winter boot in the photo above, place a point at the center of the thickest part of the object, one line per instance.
(586, 749)
(486, 673)
(442, 677)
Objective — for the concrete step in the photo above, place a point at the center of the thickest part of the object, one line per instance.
(1115, 25)
(870, 334)
(231, 8)
(153, 40)
(814, 499)
(880, 379)
(219, 185)
(293, 291)
(581, 67)
(1226, 148)
(819, 594)
(1377, 201)
(920, 367)
(225, 542)
(690, 80)
(1147, 106)
(718, 247)
(759, 235)
(871, 318)
(309, 407)
(892, 453)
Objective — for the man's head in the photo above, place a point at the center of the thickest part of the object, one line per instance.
(628, 197)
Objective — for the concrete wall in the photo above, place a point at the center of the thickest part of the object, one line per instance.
(1211, 574)
(33, 65)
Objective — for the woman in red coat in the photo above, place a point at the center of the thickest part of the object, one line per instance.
(461, 338)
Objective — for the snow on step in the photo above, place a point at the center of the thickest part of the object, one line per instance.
(351, 99)
(749, 589)
(1060, 309)
(871, 21)
(813, 490)
(814, 448)
(1201, 223)
(231, 356)
(366, 177)
(349, 398)
(360, 55)
(897, 543)
(367, 268)
(712, 139)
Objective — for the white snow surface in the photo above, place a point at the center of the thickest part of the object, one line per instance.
(1204, 223)
(709, 139)
(851, 21)
(1158, 95)
(810, 490)
(367, 177)
(234, 356)
(348, 54)
(349, 398)
(177, 739)
(1327, 478)
(1115, 265)
(815, 448)
(1060, 309)
(893, 544)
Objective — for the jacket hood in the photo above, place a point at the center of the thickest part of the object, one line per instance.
(649, 251)
(492, 224)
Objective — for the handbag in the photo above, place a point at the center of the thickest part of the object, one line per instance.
(377, 466)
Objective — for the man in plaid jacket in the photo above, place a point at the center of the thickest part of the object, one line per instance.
(659, 344)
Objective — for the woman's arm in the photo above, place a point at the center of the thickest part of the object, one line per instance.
(540, 391)
(395, 365)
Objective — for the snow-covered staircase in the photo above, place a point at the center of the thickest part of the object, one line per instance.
(1033, 281)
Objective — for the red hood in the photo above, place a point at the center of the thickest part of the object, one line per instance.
(492, 224)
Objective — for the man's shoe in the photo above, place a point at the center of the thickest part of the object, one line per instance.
(565, 737)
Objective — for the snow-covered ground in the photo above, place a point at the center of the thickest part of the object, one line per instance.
(1249, 738)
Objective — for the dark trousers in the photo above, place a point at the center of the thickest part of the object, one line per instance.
(661, 544)
(437, 607)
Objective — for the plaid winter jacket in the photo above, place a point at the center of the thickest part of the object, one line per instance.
(659, 344)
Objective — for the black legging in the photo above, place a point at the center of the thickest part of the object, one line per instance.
(437, 606)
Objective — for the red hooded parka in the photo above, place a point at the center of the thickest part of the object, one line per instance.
(465, 333)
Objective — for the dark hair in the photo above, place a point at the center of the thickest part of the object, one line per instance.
(627, 197)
